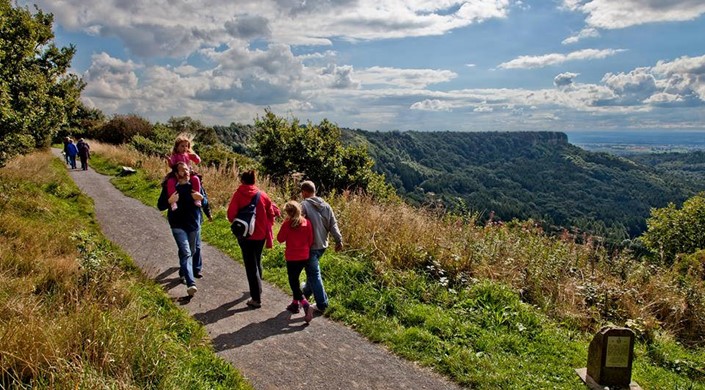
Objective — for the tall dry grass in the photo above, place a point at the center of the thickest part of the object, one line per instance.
(220, 182)
(70, 316)
(584, 285)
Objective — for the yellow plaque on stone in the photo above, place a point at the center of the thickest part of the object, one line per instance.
(617, 352)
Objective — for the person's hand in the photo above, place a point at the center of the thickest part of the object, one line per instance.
(174, 198)
(339, 247)
(197, 196)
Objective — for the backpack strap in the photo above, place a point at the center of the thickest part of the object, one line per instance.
(253, 202)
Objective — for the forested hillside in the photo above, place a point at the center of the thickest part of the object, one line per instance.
(524, 175)
(690, 165)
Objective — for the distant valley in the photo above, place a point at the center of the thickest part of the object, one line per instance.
(631, 142)
(538, 175)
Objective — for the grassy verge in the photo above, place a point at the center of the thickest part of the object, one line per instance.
(74, 310)
(481, 335)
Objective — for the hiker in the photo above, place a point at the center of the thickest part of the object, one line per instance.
(84, 153)
(185, 223)
(182, 153)
(252, 245)
(323, 222)
(296, 231)
(66, 150)
(71, 151)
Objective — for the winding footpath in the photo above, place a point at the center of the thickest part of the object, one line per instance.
(271, 349)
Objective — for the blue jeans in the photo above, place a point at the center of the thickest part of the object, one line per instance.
(314, 281)
(186, 242)
(72, 161)
(197, 256)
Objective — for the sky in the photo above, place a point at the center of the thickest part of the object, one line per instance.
(427, 65)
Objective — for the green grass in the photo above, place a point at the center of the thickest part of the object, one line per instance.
(481, 336)
(74, 310)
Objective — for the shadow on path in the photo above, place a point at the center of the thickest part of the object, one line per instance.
(280, 324)
(165, 281)
(222, 311)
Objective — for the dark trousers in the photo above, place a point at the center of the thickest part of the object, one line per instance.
(84, 162)
(293, 270)
(252, 257)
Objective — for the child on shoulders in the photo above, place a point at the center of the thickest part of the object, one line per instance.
(182, 153)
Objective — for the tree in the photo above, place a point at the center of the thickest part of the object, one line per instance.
(122, 128)
(672, 231)
(316, 151)
(85, 122)
(37, 95)
(203, 135)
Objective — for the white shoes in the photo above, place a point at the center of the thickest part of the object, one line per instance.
(191, 290)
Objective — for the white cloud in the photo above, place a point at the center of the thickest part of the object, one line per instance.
(583, 34)
(664, 99)
(176, 29)
(110, 78)
(432, 105)
(612, 14)
(483, 108)
(238, 85)
(684, 76)
(403, 78)
(564, 79)
(530, 62)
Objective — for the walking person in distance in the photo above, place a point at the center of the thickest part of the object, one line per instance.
(84, 153)
(71, 151)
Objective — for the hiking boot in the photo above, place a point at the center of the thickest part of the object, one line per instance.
(253, 304)
(198, 275)
(191, 290)
(308, 310)
(293, 308)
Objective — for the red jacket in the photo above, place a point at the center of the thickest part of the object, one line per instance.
(264, 219)
(298, 240)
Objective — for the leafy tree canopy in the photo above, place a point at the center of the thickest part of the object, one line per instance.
(37, 95)
(316, 152)
(672, 231)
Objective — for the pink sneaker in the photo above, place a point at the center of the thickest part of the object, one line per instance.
(174, 206)
(197, 203)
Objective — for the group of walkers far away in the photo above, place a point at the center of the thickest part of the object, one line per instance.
(81, 149)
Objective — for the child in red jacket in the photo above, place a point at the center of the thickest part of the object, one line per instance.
(297, 232)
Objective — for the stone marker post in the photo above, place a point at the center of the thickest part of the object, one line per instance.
(610, 358)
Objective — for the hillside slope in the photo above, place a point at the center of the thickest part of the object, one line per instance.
(524, 175)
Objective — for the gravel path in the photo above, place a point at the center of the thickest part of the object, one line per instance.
(270, 347)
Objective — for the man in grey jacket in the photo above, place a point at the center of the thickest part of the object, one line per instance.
(323, 222)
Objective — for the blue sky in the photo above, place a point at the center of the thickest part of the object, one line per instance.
(483, 65)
